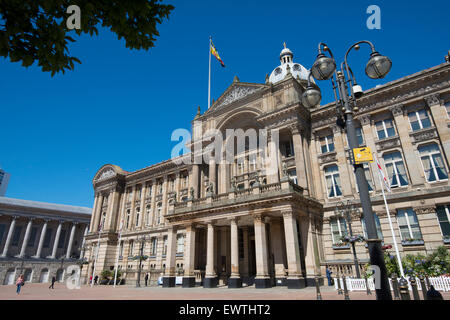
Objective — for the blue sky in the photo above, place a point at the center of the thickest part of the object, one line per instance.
(120, 106)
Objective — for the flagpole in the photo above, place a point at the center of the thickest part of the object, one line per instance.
(209, 75)
(390, 225)
(96, 256)
(117, 256)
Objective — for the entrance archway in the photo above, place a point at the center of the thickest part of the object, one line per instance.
(10, 276)
(28, 274)
(44, 276)
(60, 275)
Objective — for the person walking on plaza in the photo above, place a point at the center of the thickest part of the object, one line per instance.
(146, 279)
(329, 272)
(53, 283)
(95, 279)
(19, 283)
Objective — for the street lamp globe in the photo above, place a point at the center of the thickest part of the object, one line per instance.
(311, 97)
(323, 68)
(378, 66)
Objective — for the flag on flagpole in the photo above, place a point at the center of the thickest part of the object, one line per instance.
(386, 182)
(216, 54)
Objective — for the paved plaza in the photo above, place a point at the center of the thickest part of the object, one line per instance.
(40, 291)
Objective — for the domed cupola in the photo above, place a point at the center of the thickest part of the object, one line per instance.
(288, 65)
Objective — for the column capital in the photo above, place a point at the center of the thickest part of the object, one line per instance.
(287, 213)
(335, 128)
(233, 220)
(258, 217)
(397, 110)
(432, 99)
(364, 119)
(296, 129)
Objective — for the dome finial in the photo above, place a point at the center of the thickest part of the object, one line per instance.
(284, 44)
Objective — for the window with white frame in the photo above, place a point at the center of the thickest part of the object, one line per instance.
(165, 245)
(138, 215)
(368, 177)
(408, 224)
(180, 243)
(154, 243)
(433, 164)
(293, 176)
(385, 128)
(326, 143)
(252, 162)
(333, 181)
(419, 119)
(131, 248)
(338, 229)
(443, 214)
(158, 213)
(377, 225)
(128, 219)
(147, 215)
(396, 169)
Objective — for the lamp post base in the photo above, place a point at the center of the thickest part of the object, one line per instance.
(168, 282)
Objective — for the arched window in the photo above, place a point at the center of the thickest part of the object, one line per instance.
(433, 164)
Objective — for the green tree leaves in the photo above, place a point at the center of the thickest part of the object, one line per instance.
(35, 30)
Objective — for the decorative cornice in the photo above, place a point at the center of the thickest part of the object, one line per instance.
(364, 119)
(425, 210)
(423, 135)
(387, 143)
(397, 110)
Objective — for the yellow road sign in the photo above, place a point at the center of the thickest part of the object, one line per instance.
(362, 155)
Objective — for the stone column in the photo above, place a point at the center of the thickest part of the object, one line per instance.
(113, 213)
(133, 208)
(189, 258)
(343, 164)
(235, 280)
(169, 276)
(142, 205)
(82, 243)
(245, 267)
(262, 279)
(94, 211)
(26, 238)
(311, 257)
(55, 243)
(98, 214)
(278, 250)
(210, 280)
(72, 235)
(164, 199)
(411, 160)
(300, 166)
(294, 279)
(319, 190)
(193, 180)
(9, 236)
(41, 239)
(440, 119)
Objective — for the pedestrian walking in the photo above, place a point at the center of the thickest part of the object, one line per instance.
(329, 272)
(95, 279)
(53, 283)
(19, 283)
(433, 294)
(90, 279)
(146, 279)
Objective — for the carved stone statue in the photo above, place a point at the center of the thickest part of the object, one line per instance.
(233, 183)
(285, 172)
(191, 191)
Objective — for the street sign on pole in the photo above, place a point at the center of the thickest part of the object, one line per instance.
(362, 155)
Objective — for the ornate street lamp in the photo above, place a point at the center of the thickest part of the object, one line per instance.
(142, 239)
(345, 211)
(346, 92)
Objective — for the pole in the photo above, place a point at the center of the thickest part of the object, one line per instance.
(355, 257)
(96, 256)
(399, 261)
(374, 244)
(117, 259)
(209, 75)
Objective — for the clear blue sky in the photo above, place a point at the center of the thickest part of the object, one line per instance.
(121, 106)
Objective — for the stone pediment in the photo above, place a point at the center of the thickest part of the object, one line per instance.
(237, 91)
(106, 172)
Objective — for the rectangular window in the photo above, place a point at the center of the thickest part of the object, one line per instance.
(165, 246)
(48, 237)
(138, 216)
(408, 224)
(154, 246)
(327, 144)
(288, 149)
(395, 169)
(180, 243)
(443, 214)
(16, 236)
(433, 164)
(419, 119)
(385, 128)
(62, 239)
(338, 229)
(333, 181)
(32, 238)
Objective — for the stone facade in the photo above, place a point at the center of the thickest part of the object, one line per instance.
(233, 223)
(39, 240)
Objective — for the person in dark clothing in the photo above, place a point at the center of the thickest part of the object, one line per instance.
(433, 294)
(53, 283)
(146, 279)
(329, 272)
(95, 279)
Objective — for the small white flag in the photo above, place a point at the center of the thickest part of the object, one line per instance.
(386, 182)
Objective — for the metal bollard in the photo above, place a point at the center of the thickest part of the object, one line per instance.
(395, 286)
(339, 284)
(424, 287)
(346, 296)
(427, 280)
(367, 287)
(404, 292)
(413, 282)
(319, 296)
